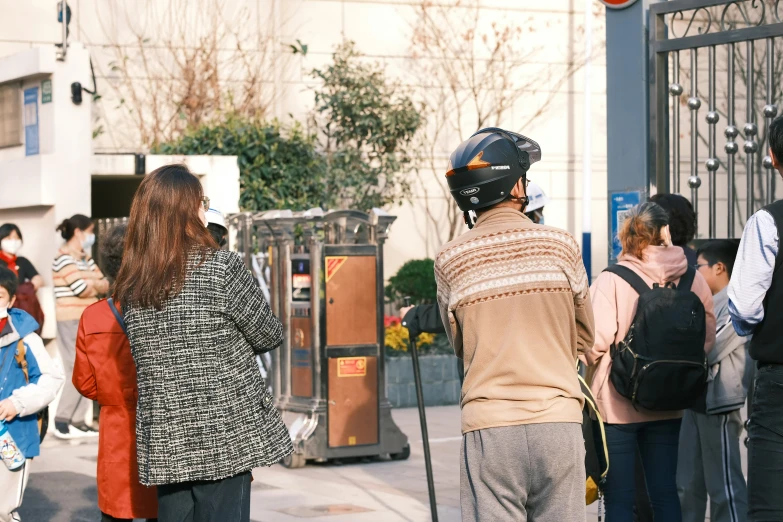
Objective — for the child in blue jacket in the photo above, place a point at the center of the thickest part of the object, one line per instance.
(20, 400)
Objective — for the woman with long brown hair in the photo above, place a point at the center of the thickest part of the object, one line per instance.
(195, 319)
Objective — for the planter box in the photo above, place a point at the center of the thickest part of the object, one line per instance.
(439, 376)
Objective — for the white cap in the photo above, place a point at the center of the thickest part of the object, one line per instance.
(215, 217)
(537, 198)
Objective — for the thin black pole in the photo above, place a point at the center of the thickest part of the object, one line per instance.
(423, 421)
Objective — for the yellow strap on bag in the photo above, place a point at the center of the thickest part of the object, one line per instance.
(21, 360)
(592, 491)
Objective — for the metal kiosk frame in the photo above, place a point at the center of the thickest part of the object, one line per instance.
(328, 377)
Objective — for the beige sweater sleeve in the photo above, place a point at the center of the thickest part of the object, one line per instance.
(453, 332)
(583, 308)
(605, 318)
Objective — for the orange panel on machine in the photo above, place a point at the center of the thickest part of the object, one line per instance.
(353, 401)
(301, 357)
(351, 301)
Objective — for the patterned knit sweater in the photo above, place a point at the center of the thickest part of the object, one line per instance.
(203, 411)
(515, 298)
(78, 283)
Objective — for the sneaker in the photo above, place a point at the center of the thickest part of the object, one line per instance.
(69, 431)
(61, 430)
(85, 428)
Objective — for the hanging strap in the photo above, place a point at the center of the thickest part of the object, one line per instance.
(21, 359)
(117, 314)
(686, 281)
(630, 277)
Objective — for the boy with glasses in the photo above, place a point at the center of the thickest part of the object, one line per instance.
(709, 461)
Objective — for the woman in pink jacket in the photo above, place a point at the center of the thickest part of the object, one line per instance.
(647, 250)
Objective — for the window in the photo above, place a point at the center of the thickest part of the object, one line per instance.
(10, 116)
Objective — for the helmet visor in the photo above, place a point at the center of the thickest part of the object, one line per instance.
(525, 144)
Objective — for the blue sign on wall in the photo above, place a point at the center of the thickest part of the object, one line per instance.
(31, 145)
(620, 204)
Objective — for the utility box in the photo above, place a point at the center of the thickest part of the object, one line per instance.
(323, 275)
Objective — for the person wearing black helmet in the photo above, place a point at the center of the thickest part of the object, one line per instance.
(514, 298)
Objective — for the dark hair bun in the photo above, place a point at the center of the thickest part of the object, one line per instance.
(70, 225)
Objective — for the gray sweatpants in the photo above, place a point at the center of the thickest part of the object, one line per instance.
(72, 407)
(12, 485)
(709, 465)
(531, 472)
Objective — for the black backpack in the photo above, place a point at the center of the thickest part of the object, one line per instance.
(661, 364)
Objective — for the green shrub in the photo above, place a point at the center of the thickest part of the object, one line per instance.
(278, 167)
(415, 279)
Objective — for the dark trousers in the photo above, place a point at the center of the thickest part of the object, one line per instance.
(226, 500)
(109, 518)
(657, 443)
(765, 449)
(642, 510)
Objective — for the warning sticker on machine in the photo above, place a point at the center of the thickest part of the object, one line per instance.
(333, 264)
(352, 366)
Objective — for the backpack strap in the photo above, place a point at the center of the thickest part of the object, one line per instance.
(686, 281)
(117, 315)
(21, 359)
(630, 277)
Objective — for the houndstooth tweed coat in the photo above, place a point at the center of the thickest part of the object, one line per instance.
(203, 409)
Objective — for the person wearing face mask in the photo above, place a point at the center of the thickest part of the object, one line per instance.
(29, 279)
(78, 283)
(22, 393)
(537, 200)
(10, 245)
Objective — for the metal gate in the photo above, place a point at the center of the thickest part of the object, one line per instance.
(690, 104)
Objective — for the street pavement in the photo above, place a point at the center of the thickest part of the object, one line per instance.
(62, 483)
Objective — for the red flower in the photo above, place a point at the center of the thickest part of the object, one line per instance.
(391, 320)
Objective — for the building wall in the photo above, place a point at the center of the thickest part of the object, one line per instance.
(382, 30)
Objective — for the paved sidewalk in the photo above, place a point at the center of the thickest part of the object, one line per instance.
(62, 483)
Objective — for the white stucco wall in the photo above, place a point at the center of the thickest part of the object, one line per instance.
(382, 31)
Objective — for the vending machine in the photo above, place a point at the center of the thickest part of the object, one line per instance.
(327, 276)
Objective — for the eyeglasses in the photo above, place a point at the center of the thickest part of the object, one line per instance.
(697, 266)
(205, 203)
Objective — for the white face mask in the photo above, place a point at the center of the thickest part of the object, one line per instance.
(3, 312)
(11, 246)
(88, 241)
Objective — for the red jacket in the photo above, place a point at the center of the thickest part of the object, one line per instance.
(105, 371)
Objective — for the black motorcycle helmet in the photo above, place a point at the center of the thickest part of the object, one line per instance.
(484, 169)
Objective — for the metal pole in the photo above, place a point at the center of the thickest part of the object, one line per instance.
(694, 182)
(751, 146)
(675, 90)
(731, 147)
(770, 111)
(63, 14)
(587, 153)
(712, 161)
(425, 438)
